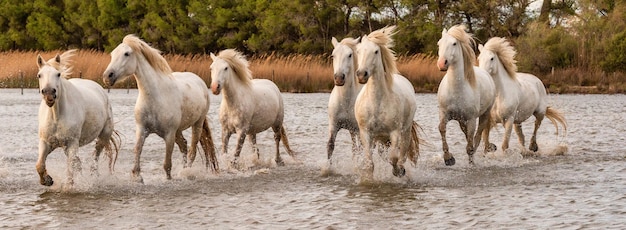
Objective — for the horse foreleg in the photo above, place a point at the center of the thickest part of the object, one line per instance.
(397, 153)
(448, 159)
(520, 134)
(356, 143)
(368, 164)
(255, 149)
(169, 149)
(141, 138)
(44, 150)
(241, 137)
(469, 128)
(330, 147)
(508, 126)
(533, 140)
(73, 162)
(182, 146)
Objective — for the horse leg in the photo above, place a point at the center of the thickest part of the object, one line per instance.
(397, 153)
(225, 137)
(182, 146)
(330, 147)
(520, 134)
(368, 168)
(484, 128)
(241, 137)
(448, 159)
(277, 137)
(255, 149)
(196, 131)
(469, 128)
(169, 149)
(533, 140)
(508, 126)
(354, 135)
(100, 143)
(73, 162)
(141, 138)
(44, 150)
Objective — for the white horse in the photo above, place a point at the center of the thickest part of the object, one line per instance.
(385, 107)
(343, 96)
(249, 106)
(519, 95)
(72, 113)
(168, 103)
(465, 93)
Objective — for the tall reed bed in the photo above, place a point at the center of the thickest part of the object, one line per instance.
(292, 73)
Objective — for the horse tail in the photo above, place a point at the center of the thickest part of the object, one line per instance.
(283, 137)
(112, 149)
(206, 141)
(414, 148)
(556, 117)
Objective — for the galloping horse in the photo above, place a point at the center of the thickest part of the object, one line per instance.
(168, 102)
(249, 106)
(465, 93)
(385, 107)
(343, 96)
(519, 96)
(72, 113)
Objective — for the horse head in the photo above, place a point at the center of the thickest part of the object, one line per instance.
(219, 68)
(368, 59)
(488, 60)
(49, 79)
(344, 61)
(229, 65)
(123, 64)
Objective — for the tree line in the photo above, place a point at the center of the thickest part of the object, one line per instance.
(585, 34)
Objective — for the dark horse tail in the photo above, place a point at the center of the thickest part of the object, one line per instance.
(206, 141)
(414, 149)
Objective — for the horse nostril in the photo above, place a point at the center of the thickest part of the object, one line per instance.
(54, 91)
(110, 74)
(446, 62)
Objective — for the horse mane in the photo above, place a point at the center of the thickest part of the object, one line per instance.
(238, 63)
(382, 38)
(469, 57)
(65, 64)
(351, 43)
(152, 55)
(505, 52)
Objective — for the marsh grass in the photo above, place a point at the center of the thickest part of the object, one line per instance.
(292, 73)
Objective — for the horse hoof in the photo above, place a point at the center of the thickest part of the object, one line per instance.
(47, 181)
(534, 147)
(399, 171)
(137, 179)
(450, 162)
(492, 147)
(280, 163)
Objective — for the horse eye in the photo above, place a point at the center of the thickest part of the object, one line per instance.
(38, 75)
(225, 68)
(350, 56)
(454, 44)
(126, 54)
(58, 74)
(376, 52)
(492, 58)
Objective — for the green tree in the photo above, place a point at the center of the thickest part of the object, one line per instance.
(45, 26)
(13, 17)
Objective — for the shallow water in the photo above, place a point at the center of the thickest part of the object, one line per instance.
(575, 181)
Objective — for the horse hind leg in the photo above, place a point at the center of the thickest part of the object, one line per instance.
(277, 137)
(206, 140)
(196, 132)
(255, 148)
(469, 129)
(533, 140)
(520, 134)
(283, 137)
(182, 146)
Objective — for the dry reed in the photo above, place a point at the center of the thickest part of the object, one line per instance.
(292, 73)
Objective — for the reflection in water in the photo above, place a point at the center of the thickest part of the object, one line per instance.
(575, 181)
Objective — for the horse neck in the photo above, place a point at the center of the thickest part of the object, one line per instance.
(456, 73)
(502, 79)
(149, 80)
(234, 90)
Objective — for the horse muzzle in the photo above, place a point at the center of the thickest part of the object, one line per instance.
(216, 88)
(363, 76)
(109, 78)
(340, 79)
(49, 96)
(442, 64)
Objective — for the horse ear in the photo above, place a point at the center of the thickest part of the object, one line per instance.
(57, 58)
(480, 47)
(334, 41)
(444, 31)
(213, 56)
(40, 61)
